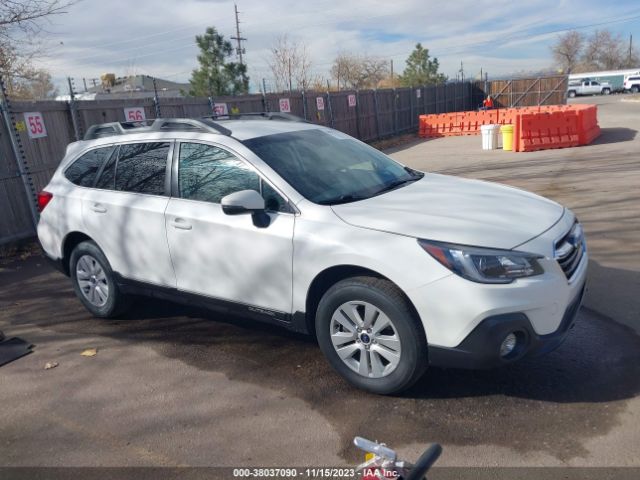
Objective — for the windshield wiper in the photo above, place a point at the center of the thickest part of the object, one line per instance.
(398, 183)
(342, 199)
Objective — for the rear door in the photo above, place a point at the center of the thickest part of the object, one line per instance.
(228, 257)
(124, 213)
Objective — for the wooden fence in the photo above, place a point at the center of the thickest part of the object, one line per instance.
(368, 115)
(523, 92)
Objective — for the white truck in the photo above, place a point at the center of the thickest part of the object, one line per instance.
(588, 87)
(632, 83)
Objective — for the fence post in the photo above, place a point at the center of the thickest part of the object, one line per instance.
(357, 109)
(73, 111)
(304, 105)
(330, 109)
(395, 112)
(377, 112)
(18, 152)
(156, 100)
(413, 92)
(444, 99)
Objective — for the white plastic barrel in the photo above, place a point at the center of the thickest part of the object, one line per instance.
(490, 134)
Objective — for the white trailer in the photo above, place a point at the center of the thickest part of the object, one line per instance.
(615, 78)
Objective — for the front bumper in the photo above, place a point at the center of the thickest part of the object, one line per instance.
(480, 349)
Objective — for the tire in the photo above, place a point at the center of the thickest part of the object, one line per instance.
(94, 282)
(606, 91)
(395, 356)
(572, 94)
(635, 89)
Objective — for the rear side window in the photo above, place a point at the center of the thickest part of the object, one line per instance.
(84, 170)
(142, 168)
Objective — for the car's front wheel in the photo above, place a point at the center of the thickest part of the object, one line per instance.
(94, 282)
(369, 333)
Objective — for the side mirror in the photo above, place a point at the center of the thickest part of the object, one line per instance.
(244, 201)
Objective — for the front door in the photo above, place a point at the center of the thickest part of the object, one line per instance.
(222, 256)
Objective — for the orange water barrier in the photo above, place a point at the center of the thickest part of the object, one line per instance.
(535, 128)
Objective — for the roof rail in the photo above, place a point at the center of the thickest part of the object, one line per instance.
(259, 115)
(158, 125)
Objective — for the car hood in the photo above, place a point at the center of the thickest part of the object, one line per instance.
(456, 210)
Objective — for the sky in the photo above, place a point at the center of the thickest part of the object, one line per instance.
(156, 37)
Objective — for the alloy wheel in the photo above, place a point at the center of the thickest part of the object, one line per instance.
(365, 339)
(92, 280)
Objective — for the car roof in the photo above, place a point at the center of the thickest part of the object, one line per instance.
(241, 127)
(247, 129)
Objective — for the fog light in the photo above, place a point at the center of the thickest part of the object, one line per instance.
(508, 344)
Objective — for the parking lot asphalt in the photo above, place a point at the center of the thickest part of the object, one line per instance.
(174, 386)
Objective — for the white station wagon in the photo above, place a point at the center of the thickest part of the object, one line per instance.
(305, 227)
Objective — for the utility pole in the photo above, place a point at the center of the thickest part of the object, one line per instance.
(630, 48)
(289, 67)
(238, 38)
(393, 84)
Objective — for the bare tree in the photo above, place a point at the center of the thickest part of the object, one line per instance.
(604, 51)
(37, 86)
(21, 25)
(567, 50)
(290, 64)
(358, 71)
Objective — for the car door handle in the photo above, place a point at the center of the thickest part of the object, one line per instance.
(181, 224)
(98, 208)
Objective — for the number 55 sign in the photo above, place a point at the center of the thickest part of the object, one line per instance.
(35, 125)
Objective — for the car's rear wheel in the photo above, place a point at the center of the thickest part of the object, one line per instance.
(369, 333)
(94, 282)
(606, 91)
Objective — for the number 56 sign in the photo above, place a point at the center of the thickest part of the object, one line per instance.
(134, 114)
(35, 125)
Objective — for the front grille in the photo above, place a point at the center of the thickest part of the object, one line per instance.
(570, 249)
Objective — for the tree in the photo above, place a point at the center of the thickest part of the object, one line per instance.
(567, 50)
(358, 71)
(216, 75)
(421, 69)
(37, 86)
(290, 65)
(20, 28)
(602, 50)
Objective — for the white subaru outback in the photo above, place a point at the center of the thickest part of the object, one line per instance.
(305, 227)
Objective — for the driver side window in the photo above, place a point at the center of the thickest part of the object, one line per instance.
(209, 173)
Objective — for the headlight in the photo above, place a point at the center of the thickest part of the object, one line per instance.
(484, 265)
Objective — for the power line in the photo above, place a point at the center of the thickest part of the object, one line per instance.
(456, 49)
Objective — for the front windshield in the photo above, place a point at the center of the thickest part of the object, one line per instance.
(329, 167)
